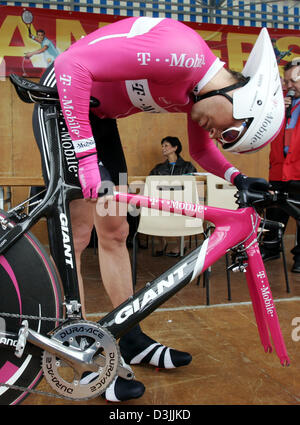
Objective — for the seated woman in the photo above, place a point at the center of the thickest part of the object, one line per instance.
(173, 165)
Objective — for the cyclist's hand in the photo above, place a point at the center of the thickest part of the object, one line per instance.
(252, 190)
(251, 184)
(89, 176)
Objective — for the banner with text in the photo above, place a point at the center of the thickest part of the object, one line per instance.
(31, 38)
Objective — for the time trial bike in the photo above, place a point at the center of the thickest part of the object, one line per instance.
(42, 330)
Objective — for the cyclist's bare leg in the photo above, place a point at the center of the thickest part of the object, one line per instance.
(114, 261)
(82, 219)
(111, 225)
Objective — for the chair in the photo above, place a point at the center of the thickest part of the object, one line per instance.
(160, 223)
(219, 193)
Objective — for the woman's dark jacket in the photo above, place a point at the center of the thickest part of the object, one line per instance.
(180, 167)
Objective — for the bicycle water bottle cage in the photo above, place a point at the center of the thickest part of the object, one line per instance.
(31, 92)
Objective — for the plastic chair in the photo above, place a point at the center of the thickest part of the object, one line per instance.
(160, 223)
(219, 193)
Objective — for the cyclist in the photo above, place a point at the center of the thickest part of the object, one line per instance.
(155, 65)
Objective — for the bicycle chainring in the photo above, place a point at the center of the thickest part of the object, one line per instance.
(95, 343)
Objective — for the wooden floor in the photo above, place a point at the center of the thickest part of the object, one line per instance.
(229, 365)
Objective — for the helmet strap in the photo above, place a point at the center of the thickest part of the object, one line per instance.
(222, 92)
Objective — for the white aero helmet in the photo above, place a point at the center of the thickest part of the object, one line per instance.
(260, 100)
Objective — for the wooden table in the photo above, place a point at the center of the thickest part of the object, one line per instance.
(8, 182)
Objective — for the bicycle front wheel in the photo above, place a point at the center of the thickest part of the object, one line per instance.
(29, 285)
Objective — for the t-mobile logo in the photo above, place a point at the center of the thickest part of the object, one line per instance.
(181, 60)
(65, 79)
(143, 58)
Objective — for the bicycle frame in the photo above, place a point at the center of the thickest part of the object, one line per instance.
(232, 229)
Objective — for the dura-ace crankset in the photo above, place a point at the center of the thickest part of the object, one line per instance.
(80, 359)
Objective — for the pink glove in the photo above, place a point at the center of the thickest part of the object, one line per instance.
(89, 175)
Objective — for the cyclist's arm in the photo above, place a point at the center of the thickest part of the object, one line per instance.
(158, 56)
(205, 152)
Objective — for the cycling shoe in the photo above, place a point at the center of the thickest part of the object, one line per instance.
(122, 390)
(142, 349)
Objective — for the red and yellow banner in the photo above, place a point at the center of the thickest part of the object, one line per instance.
(57, 30)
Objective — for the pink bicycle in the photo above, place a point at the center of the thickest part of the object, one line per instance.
(235, 230)
(42, 331)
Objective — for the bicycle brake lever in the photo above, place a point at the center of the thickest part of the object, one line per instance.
(246, 198)
(291, 209)
(238, 267)
(239, 262)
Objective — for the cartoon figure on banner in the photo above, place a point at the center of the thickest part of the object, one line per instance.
(280, 55)
(49, 51)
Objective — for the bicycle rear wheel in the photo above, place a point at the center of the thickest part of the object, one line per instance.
(29, 285)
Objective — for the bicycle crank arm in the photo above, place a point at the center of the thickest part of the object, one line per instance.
(81, 361)
(123, 371)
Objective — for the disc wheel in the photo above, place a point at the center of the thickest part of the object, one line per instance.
(29, 285)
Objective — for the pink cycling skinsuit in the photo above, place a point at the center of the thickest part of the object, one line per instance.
(138, 64)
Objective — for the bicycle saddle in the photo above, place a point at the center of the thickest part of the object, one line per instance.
(31, 92)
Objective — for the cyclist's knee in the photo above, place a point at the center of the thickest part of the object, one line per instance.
(81, 237)
(113, 234)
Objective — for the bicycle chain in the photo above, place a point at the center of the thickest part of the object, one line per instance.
(24, 316)
(29, 390)
(38, 392)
